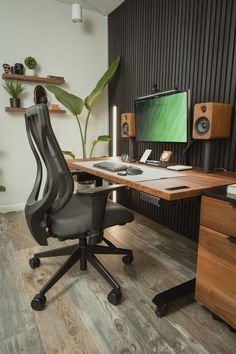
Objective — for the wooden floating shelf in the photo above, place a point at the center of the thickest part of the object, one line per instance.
(23, 110)
(48, 80)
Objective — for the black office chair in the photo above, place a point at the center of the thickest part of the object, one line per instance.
(57, 212)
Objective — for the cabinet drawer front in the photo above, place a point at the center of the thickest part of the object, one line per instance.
(216, 274)
(218, 215)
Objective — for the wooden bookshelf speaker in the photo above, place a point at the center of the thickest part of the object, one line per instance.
(211, 120)
(128, 125)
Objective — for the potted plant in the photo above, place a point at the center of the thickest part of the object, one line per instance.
(75, 104)
(31, 64)
(2, 188)
(14, 88)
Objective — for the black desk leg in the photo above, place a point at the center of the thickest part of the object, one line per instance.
(161, 300)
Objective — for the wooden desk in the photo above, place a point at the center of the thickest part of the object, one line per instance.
(195, 180)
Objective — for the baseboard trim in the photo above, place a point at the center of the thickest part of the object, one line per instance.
(11, 207)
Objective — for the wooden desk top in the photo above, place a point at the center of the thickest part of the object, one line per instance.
(195, 180)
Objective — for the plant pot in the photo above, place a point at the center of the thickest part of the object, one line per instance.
(29, 72)
(14, 102)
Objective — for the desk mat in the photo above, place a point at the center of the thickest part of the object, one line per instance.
(149, 173)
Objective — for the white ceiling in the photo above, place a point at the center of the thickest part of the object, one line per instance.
(104, 7)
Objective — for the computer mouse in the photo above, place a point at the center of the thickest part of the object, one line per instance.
(132, 170)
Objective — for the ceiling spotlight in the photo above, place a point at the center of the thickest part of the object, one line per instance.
(76, 12)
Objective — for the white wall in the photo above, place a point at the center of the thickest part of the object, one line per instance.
(78, 51)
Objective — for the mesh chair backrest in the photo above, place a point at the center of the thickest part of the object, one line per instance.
(58, 187)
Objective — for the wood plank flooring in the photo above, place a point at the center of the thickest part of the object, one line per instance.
(79, 319)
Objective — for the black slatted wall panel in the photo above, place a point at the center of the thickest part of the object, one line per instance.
(189, 44)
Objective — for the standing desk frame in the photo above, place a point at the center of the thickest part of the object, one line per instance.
(195, 180)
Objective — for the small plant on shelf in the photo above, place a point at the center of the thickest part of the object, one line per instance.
(2, 188)
(15, 89)
(31, 64)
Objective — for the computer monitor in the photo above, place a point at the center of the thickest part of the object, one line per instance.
(162, 117)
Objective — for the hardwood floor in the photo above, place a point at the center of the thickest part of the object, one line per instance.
(79, 319)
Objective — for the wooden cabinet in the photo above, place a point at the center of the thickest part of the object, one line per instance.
(218, 215)
(216, 263)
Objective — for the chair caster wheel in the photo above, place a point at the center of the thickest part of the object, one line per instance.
(161, 311)
(128, 259)
(114, 298)
(34, 262)
(38, 302)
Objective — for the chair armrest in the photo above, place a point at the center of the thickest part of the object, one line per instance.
(100, 191)
(96, 199)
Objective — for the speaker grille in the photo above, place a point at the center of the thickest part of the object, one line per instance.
(125, 129)
(202, 125)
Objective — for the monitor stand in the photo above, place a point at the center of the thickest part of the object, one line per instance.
(208, 165)
(131, 145)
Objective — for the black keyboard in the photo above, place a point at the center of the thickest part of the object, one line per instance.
(111, 166)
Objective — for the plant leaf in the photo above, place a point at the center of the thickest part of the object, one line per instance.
(89, 100)
(75, 104)
(104, 138)
(14, 88)
(69, 153)
(99, 138)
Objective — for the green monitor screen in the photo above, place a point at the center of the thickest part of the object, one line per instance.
(162, 118)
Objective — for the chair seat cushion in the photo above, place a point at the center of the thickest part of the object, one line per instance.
(75, 217)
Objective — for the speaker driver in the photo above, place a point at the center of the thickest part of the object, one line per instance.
(202, 125)
(125, 129)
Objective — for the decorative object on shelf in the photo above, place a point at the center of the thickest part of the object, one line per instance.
(40, 95)
(55, 77)
(31, 64)
(76, 105)
(14, 88)
(6, 68)
(19, 69)
(55, 106)
(13, 69)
